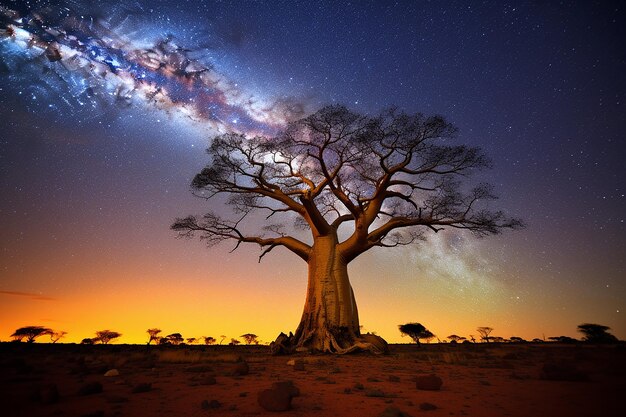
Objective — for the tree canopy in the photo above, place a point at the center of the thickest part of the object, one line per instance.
(30, 333)
(392, 177)
(596, 333)
(416, 331)
(105, 336)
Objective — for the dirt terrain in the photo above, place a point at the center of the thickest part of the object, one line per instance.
(477, 380)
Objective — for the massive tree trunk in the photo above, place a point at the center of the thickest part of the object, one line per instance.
(330, 320)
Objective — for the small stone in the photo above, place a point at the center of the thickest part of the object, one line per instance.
(298, 365)
(210, 405)
(428, 382)
(374, 393)
(428, 407)
(143, 387)
(393, 412)
(90, 388)
(241, 368)
(209, 380)
(274, 400)
(287, 386)
(112, 372)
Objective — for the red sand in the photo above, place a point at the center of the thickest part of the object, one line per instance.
(478, 380)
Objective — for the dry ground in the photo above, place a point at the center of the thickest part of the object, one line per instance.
(478, 380)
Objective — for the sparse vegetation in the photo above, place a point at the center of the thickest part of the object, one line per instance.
(105, 336)
(250, 338)
(172, 339)
(208, 340)
(455, 338)
(596, 333)
(562, 339)
(415, 331)
(154, 335)
(30, 333)
(484, 333)
(56, 336)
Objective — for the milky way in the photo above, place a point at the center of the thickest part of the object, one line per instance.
(88, 61)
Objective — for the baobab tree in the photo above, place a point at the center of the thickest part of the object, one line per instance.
(354, 183)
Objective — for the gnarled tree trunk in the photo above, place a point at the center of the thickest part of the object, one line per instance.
(330, 320)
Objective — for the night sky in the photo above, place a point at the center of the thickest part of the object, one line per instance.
(106, 111)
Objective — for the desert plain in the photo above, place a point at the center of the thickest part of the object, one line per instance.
(482, 380)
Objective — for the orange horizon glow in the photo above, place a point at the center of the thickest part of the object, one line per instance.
(267, 298)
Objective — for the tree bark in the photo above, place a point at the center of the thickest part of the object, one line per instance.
(330, 320)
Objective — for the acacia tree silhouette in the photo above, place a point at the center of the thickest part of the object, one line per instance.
(154, 335)
(105, 336)
(30, 333)
(250, 338)
(484, 333)
(416, 331)
(596, 333)
(383, 181)
(56, 336)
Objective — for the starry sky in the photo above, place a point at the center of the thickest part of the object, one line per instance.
(106, 110)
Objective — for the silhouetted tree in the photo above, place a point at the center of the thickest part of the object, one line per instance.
(516, 339)
(383, 181)
(497, 339)
(30, 333)
(222, 338)
(562, 339)
(537, 340)
(484, 333)
(56, 336)
(105, 336)
(455, 338)
(191, 340)
(596, 333)
(428, 336)
(154, 335)
(87, 341)
(234, 342)
(173, 339)
(415, 331)
(208, 340)
(250, 338)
